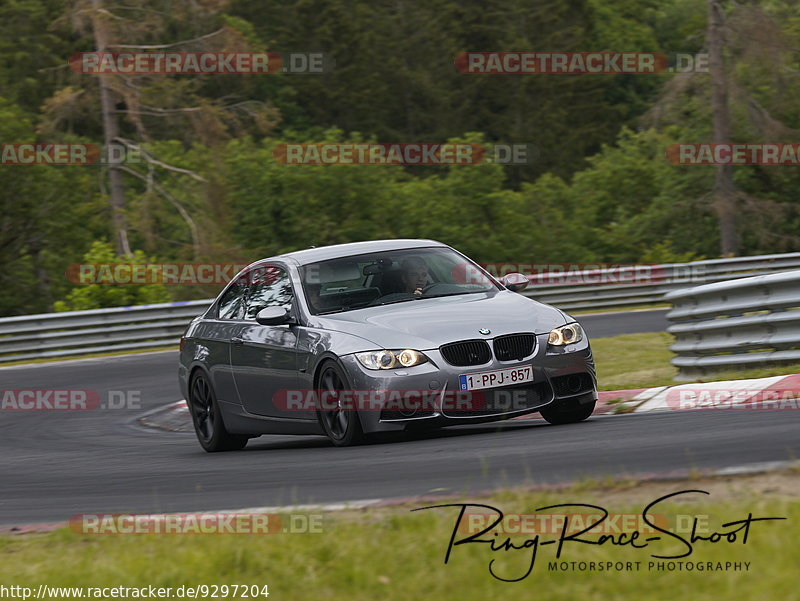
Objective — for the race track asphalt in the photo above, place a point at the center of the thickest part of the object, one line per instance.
(56, 464)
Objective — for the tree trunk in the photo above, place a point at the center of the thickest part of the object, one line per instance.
(724, 193)
(111, 133)
(45, 297)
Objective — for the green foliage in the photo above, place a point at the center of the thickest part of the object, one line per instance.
(281, 207)
(601, 189)
(634, 198)
(395, 80)
(47, 214)
(31, 54)
(285, 207)
(84, 297)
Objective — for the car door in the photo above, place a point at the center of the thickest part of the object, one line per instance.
(215, 332)
(264, 359)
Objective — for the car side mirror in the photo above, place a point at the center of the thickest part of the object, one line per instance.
(273, 316)
(516, 282)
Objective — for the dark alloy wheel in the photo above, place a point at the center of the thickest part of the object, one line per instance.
(341, 423)
(207, 418)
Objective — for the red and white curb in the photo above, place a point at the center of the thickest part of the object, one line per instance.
(175, 417)
(768, 394)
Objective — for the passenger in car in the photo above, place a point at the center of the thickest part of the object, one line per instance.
(414, 274)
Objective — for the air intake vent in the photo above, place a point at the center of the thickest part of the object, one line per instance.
(514, 347)
(468, 352)
(572, 384)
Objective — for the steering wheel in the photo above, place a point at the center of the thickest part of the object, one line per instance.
(427, 289)
(390, 298)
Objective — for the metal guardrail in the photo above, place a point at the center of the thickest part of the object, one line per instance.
(51, 335)
(642, 285)
(97, 331)
(742, 323)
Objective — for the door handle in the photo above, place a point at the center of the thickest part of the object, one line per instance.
(237, 340)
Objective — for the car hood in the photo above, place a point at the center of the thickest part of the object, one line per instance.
(428, 323)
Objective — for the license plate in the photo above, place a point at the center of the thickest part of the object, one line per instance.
(498, 377)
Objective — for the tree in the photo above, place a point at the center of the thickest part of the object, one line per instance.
(744, 98)
(46, 220)
(170, 104)
(100, 30)
(98, 296)
(724, 192)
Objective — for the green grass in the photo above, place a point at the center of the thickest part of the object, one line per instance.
(633, 361)
(391, 553)
(642, 361)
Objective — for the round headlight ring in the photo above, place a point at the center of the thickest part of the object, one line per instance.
(408, 358)
(386, 359)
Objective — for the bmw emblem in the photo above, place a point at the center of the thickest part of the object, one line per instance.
(485, 331)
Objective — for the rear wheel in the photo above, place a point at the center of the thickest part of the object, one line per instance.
(567, 413)
(341, 424)
(207, 418)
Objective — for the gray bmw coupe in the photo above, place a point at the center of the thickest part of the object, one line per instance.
(380, 336)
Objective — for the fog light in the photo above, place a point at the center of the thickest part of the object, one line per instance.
(574, 383)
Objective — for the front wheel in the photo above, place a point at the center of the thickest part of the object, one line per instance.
(341, 424)
(207, 418)
(567, 413)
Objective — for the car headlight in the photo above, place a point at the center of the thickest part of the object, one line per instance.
(390, 359)
(568, 334)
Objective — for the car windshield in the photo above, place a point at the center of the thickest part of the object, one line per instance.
(397, 276)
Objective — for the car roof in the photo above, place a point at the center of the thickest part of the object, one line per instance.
(323, 253)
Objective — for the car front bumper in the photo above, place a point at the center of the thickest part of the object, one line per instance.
(554, 380)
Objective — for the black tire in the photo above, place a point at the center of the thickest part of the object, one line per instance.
(567, 413)
(207, 418)
(341, 426)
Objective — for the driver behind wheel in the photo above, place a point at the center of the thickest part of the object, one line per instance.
(414, 274)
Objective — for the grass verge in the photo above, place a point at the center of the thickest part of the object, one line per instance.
(642, 361)
(392, 553)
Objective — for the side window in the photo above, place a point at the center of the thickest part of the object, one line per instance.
(231, 305)
(269, 287)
